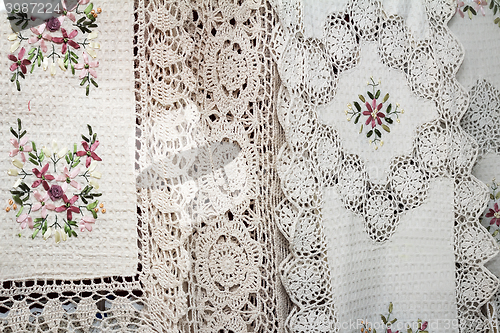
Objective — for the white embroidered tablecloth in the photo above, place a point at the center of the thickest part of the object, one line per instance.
(55, 108)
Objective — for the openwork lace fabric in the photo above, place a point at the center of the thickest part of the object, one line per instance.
(299, 165)
(483, 83)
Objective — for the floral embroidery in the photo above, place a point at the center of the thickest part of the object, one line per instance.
(66, 199)
(388, 323)
(59, 49)
(476, 6)
(376, 115)
(491, 218)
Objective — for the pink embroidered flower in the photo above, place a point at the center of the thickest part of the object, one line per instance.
(43, 177)
(495, 213)
(19, 61)
(54, 24)
(460, 4)
(42, 203)
(373, 113)
(479, 5)
(86, 223)
(390, 331)
(68, 12)
(89, 152)
(40, 36)
(55, 192)
(66, 39)
(68, 206)
(26, 221)
(68, 178)
(87, 67)
(20, 147)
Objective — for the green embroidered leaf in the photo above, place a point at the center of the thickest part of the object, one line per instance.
(94, 214)
(465, 8)
(388, 120)
(94, 137)
(80, 20)
(409, 330)
(370, 94)
(369, 133)
(93, 82)
(386, 97)
(13, 132)
(37, 225)
(20, 211)
(22, 134)
(33, 145)
(472, 10)
(378, 133)
(35, 233)
(17, 199)
(72, 69)
(389, 108)
(377, 94)
(42, 156)
(357, 118)
(361, 129)
(495, 10)
(390, 304)
(92, 205)
(22, 75)
(74, 233)
(393, 321)
(13, 77)
(497, 196)
(87, 90)
(18, 85)
(32, 155)
(25, 25)
(362, 98)
(67, 159)
(89, 8)
(488, 227)
(384, 320)
(496, 232)
(492, 197)
(356, 104)
(491, 4)
(93, 25)
(24, 187)
(85, 79)
(74, 148)
(497, 20)
(33, 161)
(386, 128)
(85, 138)
(32, 68)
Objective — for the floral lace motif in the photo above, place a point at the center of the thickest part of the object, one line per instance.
(55, 43)
(63, 198)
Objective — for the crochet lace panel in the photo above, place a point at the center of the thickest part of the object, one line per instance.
(316, 156)
(206, 140)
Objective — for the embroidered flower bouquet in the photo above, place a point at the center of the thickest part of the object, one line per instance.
(55, 192)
